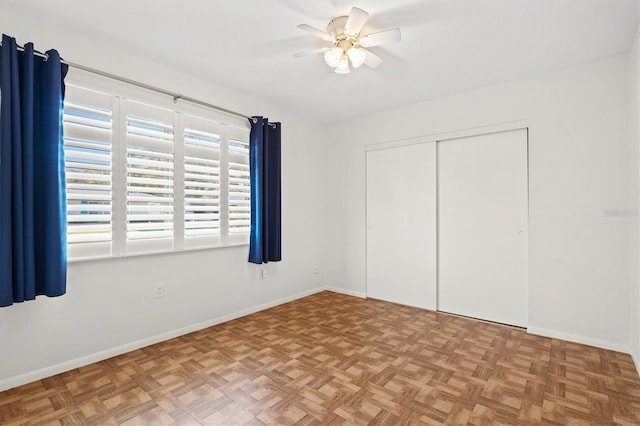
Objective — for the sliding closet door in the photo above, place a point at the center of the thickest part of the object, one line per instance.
(401, 225)
(482, 217)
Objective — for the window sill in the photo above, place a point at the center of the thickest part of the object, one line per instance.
(154, 253)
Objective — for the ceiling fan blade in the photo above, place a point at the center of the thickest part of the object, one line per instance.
(316, 32)
(355, 22)
(382, 37)
(310, 52)
(371, 60)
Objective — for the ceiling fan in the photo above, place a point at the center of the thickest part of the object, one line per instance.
(348, 44)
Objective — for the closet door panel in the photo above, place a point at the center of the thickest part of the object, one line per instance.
(482, 217)
(401, 225)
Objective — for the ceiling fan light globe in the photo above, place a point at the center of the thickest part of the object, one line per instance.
(357, 56)
(343, 65)
(332, 57)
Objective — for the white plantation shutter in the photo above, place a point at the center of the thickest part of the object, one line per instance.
(150, 178)
(88, 161)
(202, 151)
(239, 194)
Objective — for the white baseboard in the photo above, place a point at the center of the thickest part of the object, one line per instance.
(52, 370)
(636, 361)
(346, 291)
(604, 344)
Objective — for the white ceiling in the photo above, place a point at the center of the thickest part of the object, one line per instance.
(448, 46)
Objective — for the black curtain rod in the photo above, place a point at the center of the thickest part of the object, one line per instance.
(174, 95)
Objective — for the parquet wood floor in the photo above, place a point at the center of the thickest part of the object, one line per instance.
(336, 359)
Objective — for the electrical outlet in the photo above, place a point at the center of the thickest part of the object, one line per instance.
(316, 269)
(265, 273)
(159, 291)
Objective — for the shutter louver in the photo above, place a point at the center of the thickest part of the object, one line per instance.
(201, 179)
(87, 119)
(239, 184)
(149, 173)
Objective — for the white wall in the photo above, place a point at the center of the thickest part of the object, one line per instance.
(579, 167)
(110, 305)
(634, 129)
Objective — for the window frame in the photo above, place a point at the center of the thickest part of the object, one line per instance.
(231, 127)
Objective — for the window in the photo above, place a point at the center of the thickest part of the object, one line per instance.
(88, 159)
(202, 158)
(239, 187)
(148, 178)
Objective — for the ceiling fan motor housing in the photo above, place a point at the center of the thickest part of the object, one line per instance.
(336, 28)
